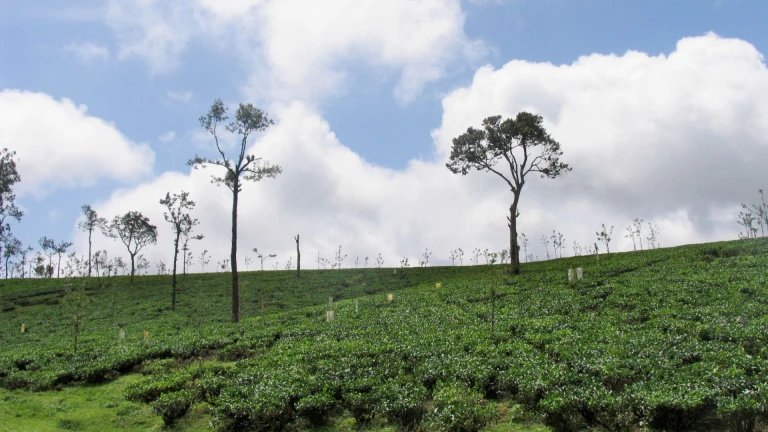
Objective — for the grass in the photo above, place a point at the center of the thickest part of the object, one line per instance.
(667, 339)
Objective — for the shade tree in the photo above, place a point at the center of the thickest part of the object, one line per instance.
(523, 145)
(244, 167)
(135, 231)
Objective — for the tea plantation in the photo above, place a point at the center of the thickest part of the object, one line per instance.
(667, 339)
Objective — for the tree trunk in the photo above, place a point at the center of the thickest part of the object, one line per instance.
(514, 267)
(58, 268)
(298, 258)
(90, 231)
(233, 256)
(133, 266)
(175, 258)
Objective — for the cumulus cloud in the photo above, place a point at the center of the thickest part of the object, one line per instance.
(419, 40)
(648, 136)
(88, 51)
(60, 146)
(678, 140)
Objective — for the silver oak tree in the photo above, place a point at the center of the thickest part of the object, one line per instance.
(244, 167)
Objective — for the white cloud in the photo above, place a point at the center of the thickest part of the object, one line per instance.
(417, 39)
(180, 96)
(676, 140)
(59, 146)
(167, 137)
(88, 51)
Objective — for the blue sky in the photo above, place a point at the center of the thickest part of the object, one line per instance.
(146, 92)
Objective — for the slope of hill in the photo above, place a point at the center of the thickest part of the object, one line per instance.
(667, 339)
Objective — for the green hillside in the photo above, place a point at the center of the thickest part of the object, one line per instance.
(666, 339)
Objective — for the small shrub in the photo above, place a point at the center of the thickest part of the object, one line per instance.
(173, 406)
(70, 424)
(402, 401)
(459, 409)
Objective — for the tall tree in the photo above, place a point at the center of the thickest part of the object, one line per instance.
(524, 144)
(92, 221)
(182, 225)
(135, 231)
(61, 249)
(8, 178)
(248, 120)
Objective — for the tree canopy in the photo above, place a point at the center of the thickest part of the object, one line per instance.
(135, 231)
(522, 145)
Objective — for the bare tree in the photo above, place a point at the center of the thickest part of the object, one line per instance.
(339, 258)
(631, 234)
(135, 231)
(638, 224)
(248, 120)
(476, 255)
(91, 222)
(204, 259)
(525, 246)
(182, 225)
(513, 141)
(545, 242)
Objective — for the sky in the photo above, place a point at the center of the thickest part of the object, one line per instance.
(661, 109)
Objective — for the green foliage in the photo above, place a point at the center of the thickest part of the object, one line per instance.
(669, 339)
(153, 386)
(458, 409)
(172, 406)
